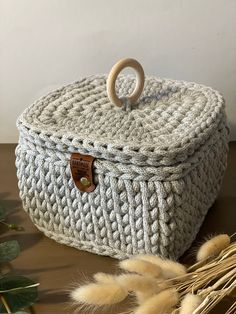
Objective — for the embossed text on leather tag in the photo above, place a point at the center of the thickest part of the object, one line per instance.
(82, 172)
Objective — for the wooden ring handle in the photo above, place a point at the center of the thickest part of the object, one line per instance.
(111, 80)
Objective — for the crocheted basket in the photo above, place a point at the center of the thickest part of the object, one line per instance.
(121, 176)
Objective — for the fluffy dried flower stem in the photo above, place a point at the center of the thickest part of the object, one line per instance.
(169, 269)
(160, 303)
(210, 279)
(228, 251)
(141, 267)
(189, 303)
(213, 247)
(99, 294)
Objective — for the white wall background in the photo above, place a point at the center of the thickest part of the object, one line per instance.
(47, 43)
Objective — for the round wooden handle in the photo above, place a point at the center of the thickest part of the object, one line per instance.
(111, 80)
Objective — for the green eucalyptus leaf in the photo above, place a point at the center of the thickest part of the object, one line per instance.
(21, 298)
(9, 250)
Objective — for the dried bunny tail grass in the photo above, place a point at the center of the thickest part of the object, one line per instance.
(170, 269)
(99, 294)
(213, 247)
(159, 303)
(141, 267)
(104, 278)
(133, 282)
(190, 303)
(130, 281)
(143, 287)
(142, 296)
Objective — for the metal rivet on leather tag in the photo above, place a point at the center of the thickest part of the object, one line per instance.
(82, 171)
(84, 181)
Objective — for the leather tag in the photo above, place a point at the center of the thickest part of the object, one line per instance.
(82, 172)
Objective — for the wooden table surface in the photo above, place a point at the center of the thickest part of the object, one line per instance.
(57, 267)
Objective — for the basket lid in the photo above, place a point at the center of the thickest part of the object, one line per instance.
(166, 125)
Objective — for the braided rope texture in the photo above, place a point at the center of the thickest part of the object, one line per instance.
(158, 169)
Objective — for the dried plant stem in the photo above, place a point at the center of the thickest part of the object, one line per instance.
(207, 278)
(212, 279)
(232, 235)
(222, 294)
(208, 282)
(232, 309)
(230, 249)
(219, 282)
(203, 306)
(4, 302)
(197, 265)
(213, 298)
(233, 251)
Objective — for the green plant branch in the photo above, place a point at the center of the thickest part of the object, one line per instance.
(22, 292)
(20, 288)
(12, 226)
(4, 302)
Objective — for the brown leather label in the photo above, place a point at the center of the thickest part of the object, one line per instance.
(82, 172)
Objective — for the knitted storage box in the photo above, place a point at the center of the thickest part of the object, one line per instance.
(159, 163)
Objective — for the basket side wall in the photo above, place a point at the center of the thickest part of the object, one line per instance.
(121, 217)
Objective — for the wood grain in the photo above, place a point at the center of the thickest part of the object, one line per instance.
(111, 81)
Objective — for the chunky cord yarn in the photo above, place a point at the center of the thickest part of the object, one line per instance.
(158, 169)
